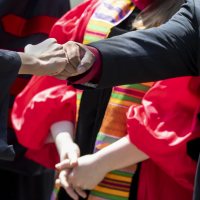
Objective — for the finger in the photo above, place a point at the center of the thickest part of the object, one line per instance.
(68, 188)
(38, 49)
(81, 192)
(73, 157)
(55, 66)
(64, 73)
(65, 164)
(57, 183)
(53, 54)
(73, 53)
(49, 40)
(73, 56)
(86, 62)
(71, 193)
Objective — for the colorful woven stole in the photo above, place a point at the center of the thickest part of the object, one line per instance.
(109, 14)
(116, 184)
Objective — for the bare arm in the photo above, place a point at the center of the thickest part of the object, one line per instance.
(62, 134)
(92, 168)
(120, 154)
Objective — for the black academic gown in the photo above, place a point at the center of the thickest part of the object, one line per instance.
(10, 63)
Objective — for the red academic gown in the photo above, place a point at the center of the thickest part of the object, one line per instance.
(161, 127)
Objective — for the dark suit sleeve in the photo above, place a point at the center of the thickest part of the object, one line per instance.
(148, 55)
(10, 63)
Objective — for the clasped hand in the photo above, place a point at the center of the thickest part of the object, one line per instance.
(61, 61)
(84, 176)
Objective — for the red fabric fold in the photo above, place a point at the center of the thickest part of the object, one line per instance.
(161, 127)
(25, 27)
(44, 100)
(73, 24)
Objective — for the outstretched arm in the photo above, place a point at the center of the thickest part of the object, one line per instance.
(148, 55)
(170, 50)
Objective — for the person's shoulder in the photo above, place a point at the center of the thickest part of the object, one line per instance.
(190, 11)
(196, 6)
(193, 7)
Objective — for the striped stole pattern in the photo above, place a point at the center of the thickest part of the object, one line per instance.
(109, 14)
(116, 184)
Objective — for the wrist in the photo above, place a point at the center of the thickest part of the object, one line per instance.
(28, 63)
(103, 162)
(63, 144)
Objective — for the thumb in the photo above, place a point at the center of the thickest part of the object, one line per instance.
(65, 164)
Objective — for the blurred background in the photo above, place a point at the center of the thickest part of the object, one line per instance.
(75, 2)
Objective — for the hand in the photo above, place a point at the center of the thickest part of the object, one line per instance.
(62, 180)
(87, 174)
(69, 153)
(80, 58)
(46, 58)
(62, 134)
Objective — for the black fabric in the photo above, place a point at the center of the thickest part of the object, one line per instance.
(170, 50)
(196, 195)
(193, 148)
(15, 186)
(10, 63)
(21, 164)
(134, 184)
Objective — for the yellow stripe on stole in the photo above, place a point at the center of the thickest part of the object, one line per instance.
(119, 178)
(111, 191)
(98, 22)
(123, 103)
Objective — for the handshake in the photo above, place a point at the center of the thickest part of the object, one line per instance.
(52, 59)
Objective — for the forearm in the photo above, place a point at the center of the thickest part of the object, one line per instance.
(149, 55)
(119, 155)
(62, 134)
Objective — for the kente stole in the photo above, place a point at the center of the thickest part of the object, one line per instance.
(116, 184)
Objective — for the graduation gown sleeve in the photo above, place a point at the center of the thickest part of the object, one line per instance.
(10, 63)
(44, 101)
